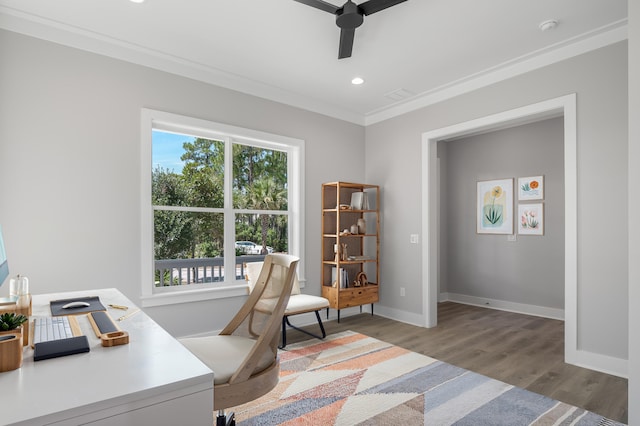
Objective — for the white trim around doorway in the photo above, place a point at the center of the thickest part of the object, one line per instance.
(564, 106)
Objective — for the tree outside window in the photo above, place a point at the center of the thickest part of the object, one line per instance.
(188, 199)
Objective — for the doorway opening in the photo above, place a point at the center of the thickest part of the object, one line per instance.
(565, 107)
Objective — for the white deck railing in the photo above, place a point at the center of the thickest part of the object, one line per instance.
(198, 271)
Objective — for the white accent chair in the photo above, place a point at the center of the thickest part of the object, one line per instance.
(244, 356)
(298, 303)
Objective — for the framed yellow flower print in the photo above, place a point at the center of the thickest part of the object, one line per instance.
(494, 210)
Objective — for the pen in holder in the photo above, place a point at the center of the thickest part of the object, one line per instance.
(108, 332)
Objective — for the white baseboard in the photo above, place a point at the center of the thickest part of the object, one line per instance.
(399, 315)
(503, 305)
(598, 362)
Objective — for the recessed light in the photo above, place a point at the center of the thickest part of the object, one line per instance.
(547, 25)
(357, 81)
(136, 1)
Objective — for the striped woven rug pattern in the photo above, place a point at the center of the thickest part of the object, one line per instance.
(352, 379)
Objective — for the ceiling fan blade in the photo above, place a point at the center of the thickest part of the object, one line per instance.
(373, 6)
(319, 4)
(346, 42)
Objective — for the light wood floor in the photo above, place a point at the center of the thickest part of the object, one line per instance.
(521, 350)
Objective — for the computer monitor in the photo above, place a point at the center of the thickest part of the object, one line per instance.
(4, 270)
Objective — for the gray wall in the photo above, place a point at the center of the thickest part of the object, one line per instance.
(70, 167)
(531, 269)
(599, 78)
(69, 173)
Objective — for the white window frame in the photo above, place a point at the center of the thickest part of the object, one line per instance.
(165, 121)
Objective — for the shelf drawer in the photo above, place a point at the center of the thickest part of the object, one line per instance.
(349, 297)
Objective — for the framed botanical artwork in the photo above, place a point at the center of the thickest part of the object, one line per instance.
(531, 188)
(531, 219)
(494, 207)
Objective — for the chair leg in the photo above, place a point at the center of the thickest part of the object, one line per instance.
(223, 419)
(285, 323)
(324, 334)
(284, 332)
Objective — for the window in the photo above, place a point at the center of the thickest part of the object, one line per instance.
(214, 197)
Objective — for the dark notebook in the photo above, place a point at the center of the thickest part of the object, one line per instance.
(61, 347)
(94, 305)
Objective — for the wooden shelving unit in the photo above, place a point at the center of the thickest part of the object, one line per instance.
(363, 247)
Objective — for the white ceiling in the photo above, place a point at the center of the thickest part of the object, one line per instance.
(287, 51)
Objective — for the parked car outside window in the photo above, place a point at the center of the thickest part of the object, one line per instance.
(249, 247)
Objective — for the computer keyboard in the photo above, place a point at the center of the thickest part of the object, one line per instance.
(46, 329)
(57, 336)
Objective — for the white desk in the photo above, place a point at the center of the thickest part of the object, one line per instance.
(153, 380)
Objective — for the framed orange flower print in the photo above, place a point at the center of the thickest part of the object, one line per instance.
(531, 188)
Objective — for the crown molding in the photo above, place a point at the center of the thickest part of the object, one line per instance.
(79, 38)
(569, 48)
(50, 30)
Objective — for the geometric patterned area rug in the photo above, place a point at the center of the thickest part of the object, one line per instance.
(352, 379)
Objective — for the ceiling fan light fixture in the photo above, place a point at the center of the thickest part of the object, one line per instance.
(349, 17)
(356, 81)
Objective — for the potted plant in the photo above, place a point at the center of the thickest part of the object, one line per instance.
(11, 321)
(11, 340)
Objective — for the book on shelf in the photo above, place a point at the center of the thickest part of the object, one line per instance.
(356, 200)
(360, 258)
(342, 278)
(360, 201)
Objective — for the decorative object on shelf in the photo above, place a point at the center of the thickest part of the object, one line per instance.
(354, 229)
(494, 209)
(531, 220)
(362, 226)
(361, 280)
(344, 254)
(531, 188)
(345, 207)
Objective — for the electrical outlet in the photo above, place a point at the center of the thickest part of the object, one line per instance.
(413, 238)
(511, 237)
(402, 291)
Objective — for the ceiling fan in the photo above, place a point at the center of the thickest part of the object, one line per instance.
(349, 17)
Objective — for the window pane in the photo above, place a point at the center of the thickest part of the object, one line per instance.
(257, 235)
(187, 170)
(259, 178)
(188, 247)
